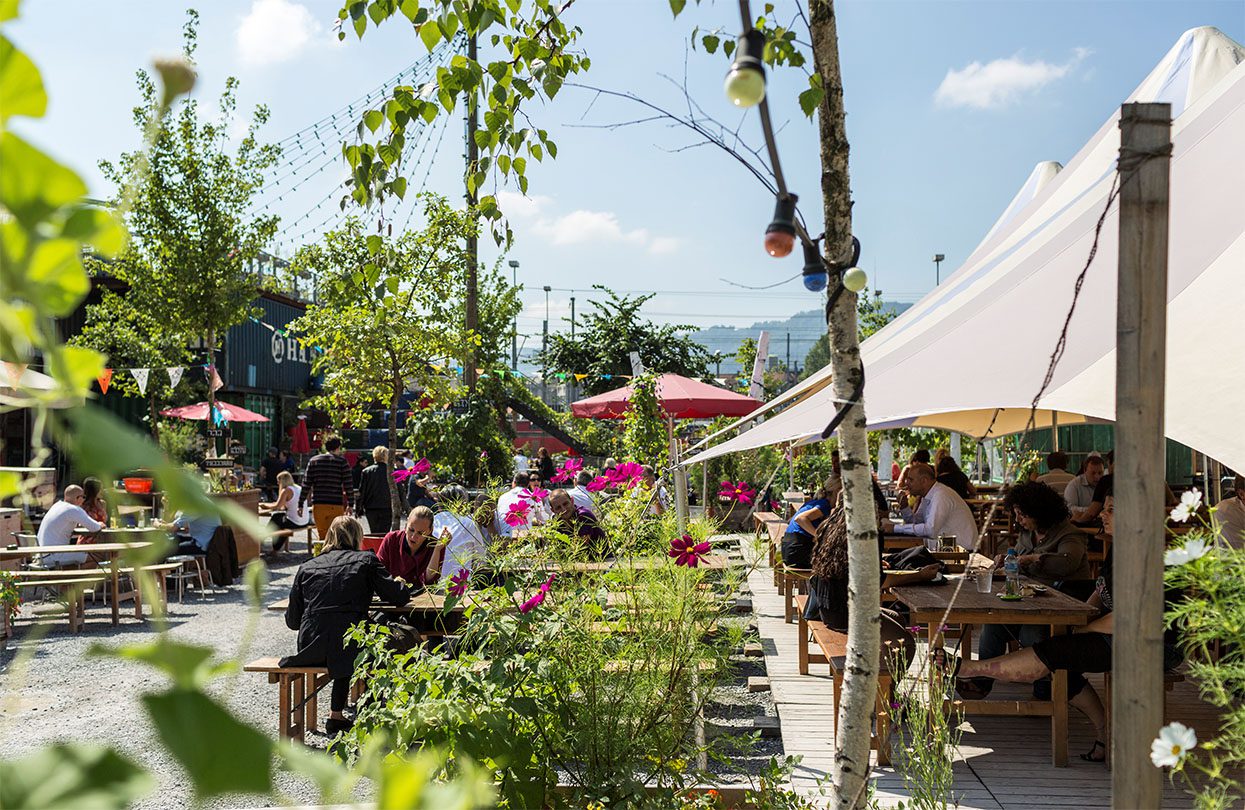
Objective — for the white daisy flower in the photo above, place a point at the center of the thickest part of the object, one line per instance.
(1174, 742)
(1190, 501)
(1195, 548)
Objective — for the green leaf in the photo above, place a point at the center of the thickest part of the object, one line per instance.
(21, 87)
(186, 664)
(76, 775)
(255, 580)
(96, 227)
(374, 243)
(412, 10)
(430, 34)
(811, 98)
(32, 184)
(398, 186)
(360, 25)
(710, 42)
(481, 138)
(372, 119)
(376, 13)
(220, 754)
(676, 6)
(8, 9)
(728, 47)
(55, 275)
(329, 775)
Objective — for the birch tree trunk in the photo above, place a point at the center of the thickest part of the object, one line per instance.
(395, 499)
(851, 750)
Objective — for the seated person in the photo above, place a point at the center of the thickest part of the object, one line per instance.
(1105, 486)
(57, 527)
(1230, 515)
(413, 554)
(941, 511)
(1087, 650)
(797, 542)
(661, 501)
(468, 544)
(193, 533)
(1052, 551)
(290, 513)
(582, 497)
(418, 492)
(580, 522)
(949, 473)
(1057, 476)
(330, 593)
(1079, 492)
(512, 496)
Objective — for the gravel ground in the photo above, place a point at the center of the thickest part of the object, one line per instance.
(51, 691)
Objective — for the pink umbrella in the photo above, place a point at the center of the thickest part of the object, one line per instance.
(680, 398)
(199, 413)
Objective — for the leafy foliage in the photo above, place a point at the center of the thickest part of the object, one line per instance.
(186, 205)
(611, 331)
(773, 380)
(871, 315)
(644, 425)
(531, 53)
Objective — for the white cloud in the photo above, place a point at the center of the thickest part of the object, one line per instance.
(514, 204)
(275, 31)
(1002, 81)
(599, 227)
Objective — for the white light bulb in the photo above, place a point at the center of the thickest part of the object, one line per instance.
(855, 279)
(745, 86)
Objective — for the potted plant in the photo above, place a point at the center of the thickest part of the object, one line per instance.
(10, 602)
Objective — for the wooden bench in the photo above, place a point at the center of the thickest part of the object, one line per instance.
(75, 600)
(832, 651)
(289, 534)
(296, 698)
(792, 582)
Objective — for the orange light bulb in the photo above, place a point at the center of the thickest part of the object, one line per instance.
(779, 243)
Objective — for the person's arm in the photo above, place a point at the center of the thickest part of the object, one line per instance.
(347, 485)
(432, 571)
(972, 490)
(294, 608)
(1064, 561)
(924, 521)
(1088, 513)
(385, 586)
(1103, 624)
(90, 523)
(805, 520)
(925, 574)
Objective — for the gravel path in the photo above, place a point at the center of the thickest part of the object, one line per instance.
(50, 690)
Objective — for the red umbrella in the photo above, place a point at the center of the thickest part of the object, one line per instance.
(199, 413)
(299, 442)
(680, 398)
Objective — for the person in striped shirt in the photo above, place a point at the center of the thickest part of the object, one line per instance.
(327, 483)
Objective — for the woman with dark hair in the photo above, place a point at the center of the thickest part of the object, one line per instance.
(93, 499)
(1050, 550)
(330, 593)
(950, 475)
(544, 464)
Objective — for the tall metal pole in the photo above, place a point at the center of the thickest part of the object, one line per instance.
(473, 259)
(544, 351)
(1140, 365)
(572, 317)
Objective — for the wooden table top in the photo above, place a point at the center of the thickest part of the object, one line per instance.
(425, 602)
(713, 562)
(1051, 607)
(94, 548)
(122, 530)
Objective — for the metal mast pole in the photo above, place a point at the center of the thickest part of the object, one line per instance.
(473, 258)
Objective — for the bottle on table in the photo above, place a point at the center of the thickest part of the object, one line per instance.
(1011, 567)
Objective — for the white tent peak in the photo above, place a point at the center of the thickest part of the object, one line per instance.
(1042, 174)
(1197, 62)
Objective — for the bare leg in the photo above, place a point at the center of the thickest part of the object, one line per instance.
(1090, 705)
(1022, 666)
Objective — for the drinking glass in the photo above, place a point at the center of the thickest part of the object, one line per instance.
(985, 580)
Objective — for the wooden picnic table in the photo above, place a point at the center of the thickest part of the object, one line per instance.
(933, 606)
(423, 602)
(109, 550)
(712, 562)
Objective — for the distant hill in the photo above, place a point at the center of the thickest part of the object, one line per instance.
(804, 328)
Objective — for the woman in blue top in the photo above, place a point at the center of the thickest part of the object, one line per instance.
(797, 543)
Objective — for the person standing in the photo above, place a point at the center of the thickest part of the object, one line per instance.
(327, 485)
(268, 469)
(374, 492)
(544, 464)
(330, 593)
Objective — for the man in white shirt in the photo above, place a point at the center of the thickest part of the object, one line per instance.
(521, 462)
(1058, 477)
(467, 548)
(58, 526)
(580, 495)
(1079, 493)
(1230, 515)
(661, 501)
(941, 512)
(513, 496)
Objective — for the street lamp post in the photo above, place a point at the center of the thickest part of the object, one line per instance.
(514, 333)
(938, 258)
(544, 350)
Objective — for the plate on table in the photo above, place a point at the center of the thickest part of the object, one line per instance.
(1011, 597)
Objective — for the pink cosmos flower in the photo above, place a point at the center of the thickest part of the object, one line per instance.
(534, 495)
(568, 470)
(516, 515)
(421, 466)
(740, 491)
(627, 474)
(483, 454)
(597, 484)
(458, 582)
(401, 475)
(687, 551)
(539, 597)
(560, 476)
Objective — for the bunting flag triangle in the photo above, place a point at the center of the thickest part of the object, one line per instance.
(104, 380)
(141, 375)
(215, 381)
(580, 377)
(175, 375)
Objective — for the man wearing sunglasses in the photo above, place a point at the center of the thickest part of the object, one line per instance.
(411, 553)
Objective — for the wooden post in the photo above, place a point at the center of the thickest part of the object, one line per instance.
(680, 477)
(1141, 333)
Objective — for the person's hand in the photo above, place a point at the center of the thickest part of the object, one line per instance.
(998, 559)
(930, 571)
(888, 527)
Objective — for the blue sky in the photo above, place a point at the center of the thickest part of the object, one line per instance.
(950, 105)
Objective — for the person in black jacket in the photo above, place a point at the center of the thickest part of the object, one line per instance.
(374, 493)
(331, 592)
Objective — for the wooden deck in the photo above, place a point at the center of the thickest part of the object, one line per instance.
(1003, 762)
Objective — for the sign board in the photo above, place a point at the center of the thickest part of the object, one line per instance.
(215, 433)
(236, 449)
(218, 463)
(460, 406)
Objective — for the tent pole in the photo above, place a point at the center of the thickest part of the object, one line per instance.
(680, 477)
(791, 467)
(1141, 333)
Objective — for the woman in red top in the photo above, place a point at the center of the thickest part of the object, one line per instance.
(411, 554)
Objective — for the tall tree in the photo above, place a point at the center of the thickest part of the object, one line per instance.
(193, 239)
(133, 338)
(610, 332)
(385, 320)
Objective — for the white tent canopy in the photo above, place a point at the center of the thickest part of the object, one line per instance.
(982, 340)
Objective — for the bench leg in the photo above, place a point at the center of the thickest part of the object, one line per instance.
(882, 719)
(802, 625)
(313, 718)
(1059, 718)
(298, 727)
(283, 706)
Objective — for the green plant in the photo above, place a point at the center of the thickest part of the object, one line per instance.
(924, 744)
(644, 425)
(181, 441)
(10, 595)
(812, 469)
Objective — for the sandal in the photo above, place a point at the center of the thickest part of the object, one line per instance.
(1092, 754)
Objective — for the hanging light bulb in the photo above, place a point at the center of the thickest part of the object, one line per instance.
(815, 275)
(780, 234)
(854, 279)
(745, 83)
